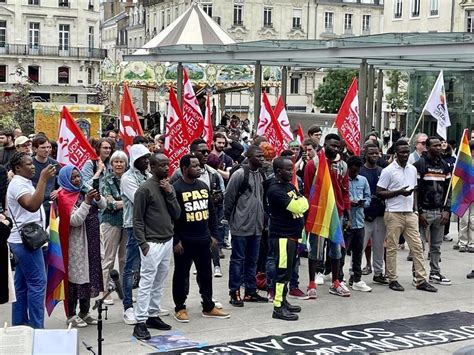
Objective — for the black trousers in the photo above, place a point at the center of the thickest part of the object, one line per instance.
(285, 257)
(200, 254)
(354, 240)
(73, 300)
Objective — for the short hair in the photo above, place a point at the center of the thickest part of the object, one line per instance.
(17, 159)
(400, 143)
(7, 133)
(278, 163)
(195, 143)
(354, 161)
(287, 153)
(154, 157)
(369, 145)
(252, 150)
(259, 140)
(140, 140)
(314, 129)
(107, 134)
(38, 140)
(332, 136)
(219, 135)
(309, 141)
(429, 139)
(119, 155)
(185, 161)
(418, 135)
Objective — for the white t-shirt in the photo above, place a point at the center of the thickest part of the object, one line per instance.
(18, 187)
(394, 177)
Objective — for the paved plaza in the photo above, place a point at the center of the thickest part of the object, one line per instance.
(254, 320)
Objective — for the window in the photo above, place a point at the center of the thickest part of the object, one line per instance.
(63, 3)
(207, 8)
(63, 37)
(91, 37)
(398, 9)
(267, 17)
(3, 73)
(3, 34)
(297, 18)
(329, 22)
(33, 35)
(434, 8)
(90, 76)
(63, 75)
(33, 2)
(470, 21)
(168, 17)
(294, 85)
(176, 12)
(162, 19)
(238, 10)
(415, 8)
(347, 23)
(33, 73)
(366, 24)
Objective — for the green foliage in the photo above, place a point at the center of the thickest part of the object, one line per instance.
(329, 95)
(397, 81)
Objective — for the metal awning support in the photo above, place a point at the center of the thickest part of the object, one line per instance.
(257, 92)
(284, 83)
(378, 111)
(179, 85)
(363, 99)
(370, 96)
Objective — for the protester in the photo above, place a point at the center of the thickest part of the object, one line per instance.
(23, 145)
(420, 148)
(98, 169)
(24, 206)
(225, 162)
(155, 200)
(7, 286)
(315, 133)
(7, 149)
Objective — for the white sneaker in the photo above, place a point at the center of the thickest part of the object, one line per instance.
(129, 316)
(327, 277)
(217, 304)
(344, 286)
(361, 286)
(319, 279)
(76, 322)
(109, 301)
(217, 271)
(163, 312)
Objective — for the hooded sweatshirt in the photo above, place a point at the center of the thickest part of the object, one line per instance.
(130, 182)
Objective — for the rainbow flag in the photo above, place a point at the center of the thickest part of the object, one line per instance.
(463, 179)
(55, 264)
(323, 218)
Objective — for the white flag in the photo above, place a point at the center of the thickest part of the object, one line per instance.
(437, 106)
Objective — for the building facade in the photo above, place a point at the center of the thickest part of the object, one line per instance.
(56, 43)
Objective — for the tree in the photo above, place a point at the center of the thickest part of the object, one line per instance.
(329, 95)
(397, 98)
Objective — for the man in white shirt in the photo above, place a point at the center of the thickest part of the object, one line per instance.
(396, 185)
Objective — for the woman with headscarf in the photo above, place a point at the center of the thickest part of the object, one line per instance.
(80, 244)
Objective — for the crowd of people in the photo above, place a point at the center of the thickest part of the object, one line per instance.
(235, 194)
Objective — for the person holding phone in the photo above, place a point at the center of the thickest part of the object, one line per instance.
(396, 185)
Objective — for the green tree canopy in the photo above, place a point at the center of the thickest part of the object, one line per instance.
(329, 95)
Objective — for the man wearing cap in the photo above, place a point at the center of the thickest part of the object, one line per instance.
(23, 145)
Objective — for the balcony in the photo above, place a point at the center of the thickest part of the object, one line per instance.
(52, 51)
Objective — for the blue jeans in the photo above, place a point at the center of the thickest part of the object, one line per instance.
(243, 263)
(132, 264)
(30, 286)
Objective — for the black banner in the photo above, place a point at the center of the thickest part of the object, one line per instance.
(378, 337)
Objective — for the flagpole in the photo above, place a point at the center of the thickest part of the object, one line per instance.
(417, 124)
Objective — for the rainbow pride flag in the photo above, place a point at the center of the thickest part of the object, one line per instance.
(463, 179)
(323, 218)
(55, 264)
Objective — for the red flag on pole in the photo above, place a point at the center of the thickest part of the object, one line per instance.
(269, 127)
(191, 111)
(176, 137)
(300, 134)
(208, 132)
(347, 119)
(73, 147)
(129, 123)
(282, 118)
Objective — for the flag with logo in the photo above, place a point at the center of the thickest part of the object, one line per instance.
(269, 127)
(282, 118)
(191, 111)
(463, 179)
(208, 132)
(300, 134)
(437, 106)
(73, 146)
(347, 119)
(177, 140)
(129, 123)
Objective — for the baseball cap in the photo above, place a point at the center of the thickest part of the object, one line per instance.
(21, 140)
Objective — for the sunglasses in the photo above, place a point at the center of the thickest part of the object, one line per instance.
(204, 152)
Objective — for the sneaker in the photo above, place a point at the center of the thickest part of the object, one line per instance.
(134, 299)
(463, 248)
(157, 323)
(312, 293)
(319, 279)
(283, 314)
(129, 316)
(380, 279)
(109, 301)
(217, 304)
(235, 299)
(255, 297)
(361, 286)
(163, 312)
(337, 289)
(298, 294)
(456, 246)
(425, 286)
(367, 270)
(216, 313)
(470, 275)
(447, 238)
(327, 277)
(394, 285)
(140, 331)
(344, 286)
(182, 316)
(470, 249)
(270, 294)
(89, 319)
(293, 308)
(76, 322)
(217, 271)
(439, 279)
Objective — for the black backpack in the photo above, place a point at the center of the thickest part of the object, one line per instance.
(244, 186)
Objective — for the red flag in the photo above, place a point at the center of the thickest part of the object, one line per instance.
(208, 132)
(300, 135)
(176, 137)
(129, 123)
(191, 111)
(73, 147)
(282, 119)
(347, 119)
(269, 127)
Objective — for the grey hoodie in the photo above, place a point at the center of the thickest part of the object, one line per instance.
(130, 182)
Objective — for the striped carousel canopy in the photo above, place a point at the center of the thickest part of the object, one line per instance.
(193, 27)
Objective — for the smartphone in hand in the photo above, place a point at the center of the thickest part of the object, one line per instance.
(95, 184)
